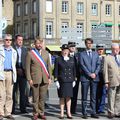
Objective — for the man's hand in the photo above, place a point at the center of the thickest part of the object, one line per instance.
(30, 83)
(49, 81)
(93, 75)
(107, 85)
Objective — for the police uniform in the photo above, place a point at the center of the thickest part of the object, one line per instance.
(101, 92)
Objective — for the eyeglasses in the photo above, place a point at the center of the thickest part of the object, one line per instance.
(8, 39)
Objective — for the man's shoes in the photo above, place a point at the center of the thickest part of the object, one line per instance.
(85, 117)
(10, 117)
(35, 117)
(1, 117)
(43, 117)
(117, 116)
(94, 116)
(110, 115)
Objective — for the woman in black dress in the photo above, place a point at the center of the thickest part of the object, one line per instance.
(64, 74)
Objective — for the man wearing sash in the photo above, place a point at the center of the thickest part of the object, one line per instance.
(38, 72)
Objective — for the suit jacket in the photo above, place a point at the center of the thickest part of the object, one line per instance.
(34, 71)
(2, 58)
(89, 65)
(111, 71)
(64, 71)
(23, 56)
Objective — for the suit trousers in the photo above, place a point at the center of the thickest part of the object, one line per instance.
(21, 84)
(93, 89)
(39, 95)
(114, 100)
(6, 89)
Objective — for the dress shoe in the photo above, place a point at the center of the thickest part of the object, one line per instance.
(85, 117)
(117, 116)
(43, 117)
(61, 117)
(10, 117)
(1, 117)
(94, 116)
(35, 117)
(110, 115)
(69, 117)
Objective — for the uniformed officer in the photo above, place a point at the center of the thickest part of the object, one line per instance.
(74, 54)
(101, 92)
(65, 73)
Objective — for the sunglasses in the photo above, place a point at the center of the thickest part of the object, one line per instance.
(8, 39)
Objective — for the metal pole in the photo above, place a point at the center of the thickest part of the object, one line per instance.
(0, 19)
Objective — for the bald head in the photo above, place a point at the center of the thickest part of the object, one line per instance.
(115, 48)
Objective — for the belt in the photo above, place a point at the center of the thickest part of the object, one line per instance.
(7, 70)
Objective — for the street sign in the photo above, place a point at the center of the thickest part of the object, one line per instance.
(102, 35)
(72, 34)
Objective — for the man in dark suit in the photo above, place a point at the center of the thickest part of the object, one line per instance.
(90, 66)
(38, 72)
(75, 56)
(21, 78)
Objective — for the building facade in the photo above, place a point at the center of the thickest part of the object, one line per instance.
(7, 13)
(45, 18)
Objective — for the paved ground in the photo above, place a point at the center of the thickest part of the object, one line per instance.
(53, 111)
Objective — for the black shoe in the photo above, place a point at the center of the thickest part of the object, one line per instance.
(10, 117)
(61, 117)
(1, 117)
(94, 116)
(85, 117)
(69, 117)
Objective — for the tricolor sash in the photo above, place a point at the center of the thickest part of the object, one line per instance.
(39, 58)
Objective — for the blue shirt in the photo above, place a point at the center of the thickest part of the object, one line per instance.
(8, 58)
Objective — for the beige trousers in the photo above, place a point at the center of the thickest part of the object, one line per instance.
(6, 89)
(114, 100)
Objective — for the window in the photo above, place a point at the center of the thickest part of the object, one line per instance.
(18, 28)
(34, 29)
(26, 8)
(64, 6)
(34, 6)
(26, 30)
(119, 9)
(49, 29)
(94, 8)
(49, 4)
(94, 26)
(80, 8)
(119, 32)
(80, 30)
(18, 10)
(108, 9)
(64, 25)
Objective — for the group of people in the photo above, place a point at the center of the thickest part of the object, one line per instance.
(25, 69)
(96, 71)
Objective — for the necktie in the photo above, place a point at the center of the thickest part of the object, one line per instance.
(90, 54)
(117, 61)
